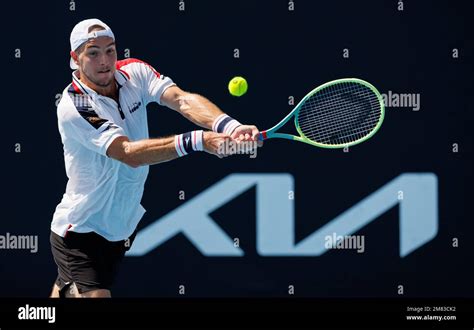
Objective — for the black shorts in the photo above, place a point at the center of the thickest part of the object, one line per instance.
(87, 259)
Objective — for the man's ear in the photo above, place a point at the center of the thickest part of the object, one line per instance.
(74, 57)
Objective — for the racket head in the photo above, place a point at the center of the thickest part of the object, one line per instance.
(339, 114)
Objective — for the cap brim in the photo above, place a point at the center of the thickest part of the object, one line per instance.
(72, 64)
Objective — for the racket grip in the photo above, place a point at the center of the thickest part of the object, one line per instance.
(262, 135)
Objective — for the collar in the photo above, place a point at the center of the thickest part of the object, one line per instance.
(121, 77)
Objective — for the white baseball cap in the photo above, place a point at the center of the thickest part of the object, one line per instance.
(80, 34)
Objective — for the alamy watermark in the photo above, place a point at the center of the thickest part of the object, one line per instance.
(21, 242)
(350, 242)
(230, 147)
(402, 100)
(28, 312)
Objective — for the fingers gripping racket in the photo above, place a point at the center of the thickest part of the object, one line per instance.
(337, 114)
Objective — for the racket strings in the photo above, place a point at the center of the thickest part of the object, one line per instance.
(340, 114)
(343, 113)
(349, 121)
(342, 103)
(335, 124)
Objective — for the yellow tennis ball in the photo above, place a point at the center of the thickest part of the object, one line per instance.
(238, 86)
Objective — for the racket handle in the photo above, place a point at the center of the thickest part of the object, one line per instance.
(262, 135)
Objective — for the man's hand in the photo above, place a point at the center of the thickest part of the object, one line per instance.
(214, 143)
(246, 133)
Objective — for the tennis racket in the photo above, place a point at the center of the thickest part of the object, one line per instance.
(337, 114)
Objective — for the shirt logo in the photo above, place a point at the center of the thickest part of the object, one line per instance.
(135, 106)
(187, 141)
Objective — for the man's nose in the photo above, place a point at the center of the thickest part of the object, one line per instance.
(103, 60)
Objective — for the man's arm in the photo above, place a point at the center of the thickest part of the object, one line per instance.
(154, 151)
(203, 112)
(143, 152)
(193, 107)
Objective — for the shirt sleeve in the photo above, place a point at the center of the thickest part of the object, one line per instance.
(156, 84)
(87, 128)
(153, 83)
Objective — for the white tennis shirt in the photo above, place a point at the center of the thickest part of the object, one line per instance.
(102, 194)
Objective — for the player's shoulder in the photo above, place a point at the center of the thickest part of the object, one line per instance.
(134, 67)
(129, 61)
(72, 102)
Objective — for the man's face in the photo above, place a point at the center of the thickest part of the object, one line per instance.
(97, 61)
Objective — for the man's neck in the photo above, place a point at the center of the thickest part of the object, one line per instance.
(109, 91)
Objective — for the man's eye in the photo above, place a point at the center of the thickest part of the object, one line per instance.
(111, 51)
(92, 53)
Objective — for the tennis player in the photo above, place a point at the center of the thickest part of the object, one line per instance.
(107, 152)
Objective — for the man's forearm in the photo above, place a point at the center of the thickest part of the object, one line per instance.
(154, 151)
(198, 110)
(150, 151)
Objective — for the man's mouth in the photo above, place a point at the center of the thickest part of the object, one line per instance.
(104, 71)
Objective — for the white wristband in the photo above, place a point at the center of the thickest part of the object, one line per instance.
(225, 124)
(197, 140)
(189, 142)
